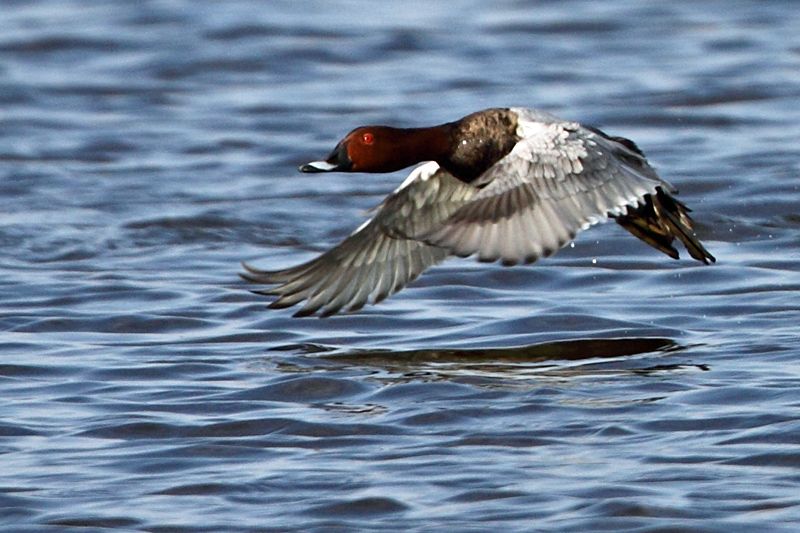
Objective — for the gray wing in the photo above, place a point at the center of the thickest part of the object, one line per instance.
(560, 178)
(380, 257)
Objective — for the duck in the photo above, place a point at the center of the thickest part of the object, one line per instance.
(504, 184)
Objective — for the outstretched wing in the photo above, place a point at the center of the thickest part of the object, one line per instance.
(560, 178)
(380, 257)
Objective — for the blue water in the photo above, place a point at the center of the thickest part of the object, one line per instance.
(148, 147)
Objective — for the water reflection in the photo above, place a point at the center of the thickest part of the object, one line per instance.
(563, 358)
(564, 350)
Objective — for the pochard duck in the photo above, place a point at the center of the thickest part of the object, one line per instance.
(507, 184)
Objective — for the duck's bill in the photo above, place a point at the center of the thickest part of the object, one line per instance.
(318, 166)
(338, 160)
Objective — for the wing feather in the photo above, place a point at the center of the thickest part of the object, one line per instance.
(379, 258)
(559, 179)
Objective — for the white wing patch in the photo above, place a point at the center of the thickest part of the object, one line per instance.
(421, 173)
(550, 148)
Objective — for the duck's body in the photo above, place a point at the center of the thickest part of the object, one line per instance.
(510, 184)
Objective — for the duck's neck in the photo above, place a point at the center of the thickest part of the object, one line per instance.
(465, 148)
(415, 145)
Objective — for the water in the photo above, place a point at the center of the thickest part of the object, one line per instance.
(147, 147)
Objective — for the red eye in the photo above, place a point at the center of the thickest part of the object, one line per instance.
(367, 138)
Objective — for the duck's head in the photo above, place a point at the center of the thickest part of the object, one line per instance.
(365, 149)
(382, 149)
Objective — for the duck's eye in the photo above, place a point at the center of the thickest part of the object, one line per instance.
(367, 138)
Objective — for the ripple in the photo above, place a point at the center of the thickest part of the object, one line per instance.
(182, 229)
(56, 43)
(361, 508)
(128, 324)
(597, 26)
(307, 388)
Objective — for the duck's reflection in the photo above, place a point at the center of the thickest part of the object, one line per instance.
(566, 350)
(564, 358)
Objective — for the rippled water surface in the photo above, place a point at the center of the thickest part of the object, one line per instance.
(148, 147)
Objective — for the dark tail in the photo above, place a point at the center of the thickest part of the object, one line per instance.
(659, 221)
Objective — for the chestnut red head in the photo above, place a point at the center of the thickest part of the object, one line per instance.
(365, 149)
(380, 149)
